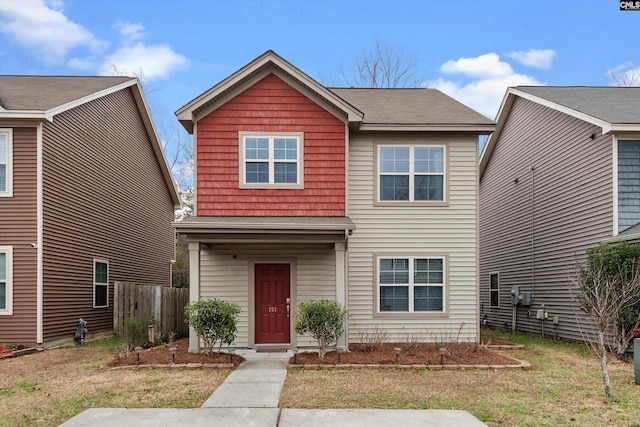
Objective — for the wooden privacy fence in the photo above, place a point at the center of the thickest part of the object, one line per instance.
(165, 305)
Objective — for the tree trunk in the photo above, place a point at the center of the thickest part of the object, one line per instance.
(603, 366)
(321, 348)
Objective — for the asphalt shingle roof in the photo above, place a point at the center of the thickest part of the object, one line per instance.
(42, 93)
(615, 105)
(409, 106)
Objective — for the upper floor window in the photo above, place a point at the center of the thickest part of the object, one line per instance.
(100, 284)
(411, 284)
(6, 280)
(494, 291)
(411, 173)
(6, 162)
(628, 183)
(271, 161)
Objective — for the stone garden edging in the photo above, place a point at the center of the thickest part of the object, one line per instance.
(176, 366)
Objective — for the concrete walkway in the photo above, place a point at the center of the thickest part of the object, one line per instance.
(249, 397)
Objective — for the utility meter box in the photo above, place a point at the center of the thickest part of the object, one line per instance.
(540, 315)
(526, 298)
(515, 295)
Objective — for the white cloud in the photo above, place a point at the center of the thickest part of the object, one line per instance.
(130, 31)
(488, 65)
(41, 26)
(536, 58)
(484, 82)
(626, 74)
(151, 62)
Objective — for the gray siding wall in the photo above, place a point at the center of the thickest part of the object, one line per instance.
(105, 198)
(449, 230)
(628, 183)
(18, 228)
(573, 210)
(223, 277)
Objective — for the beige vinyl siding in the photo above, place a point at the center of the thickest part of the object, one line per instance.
(431, 230)
(573, 211)
(223, 277)
(104, 198)
(18, 228)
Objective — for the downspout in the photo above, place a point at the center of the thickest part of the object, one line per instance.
(40, 231)
(532, 168)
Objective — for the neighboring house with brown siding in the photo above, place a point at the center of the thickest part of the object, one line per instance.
(86, 199)
(560, 174)
(364, 196)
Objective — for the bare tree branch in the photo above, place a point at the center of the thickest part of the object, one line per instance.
(387, 66)
(625, 75)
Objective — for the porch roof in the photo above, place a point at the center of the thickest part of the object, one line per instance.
(250, 229)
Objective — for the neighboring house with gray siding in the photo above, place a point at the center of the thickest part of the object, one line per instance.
(364, 196)
(560, 174)
(86, 199)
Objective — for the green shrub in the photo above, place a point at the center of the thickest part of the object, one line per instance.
(135, 331)
(323, 320)
(213, 320)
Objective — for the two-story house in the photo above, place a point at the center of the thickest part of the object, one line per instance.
(560, 174)
(364, 196)
(86, 199)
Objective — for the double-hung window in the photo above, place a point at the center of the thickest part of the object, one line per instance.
(6, 280)
(411, 284)
(100, 284)
(494, 290)
(6, 160)
(411, 173)
(271, 161)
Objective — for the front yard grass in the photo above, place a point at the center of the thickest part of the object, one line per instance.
(563, 387)
(48, 388)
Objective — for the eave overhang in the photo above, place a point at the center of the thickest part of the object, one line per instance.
(302, 230)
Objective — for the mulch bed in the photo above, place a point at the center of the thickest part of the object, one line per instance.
(414, 354)
(162, 356)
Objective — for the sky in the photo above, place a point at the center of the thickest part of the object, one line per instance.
(470, 49)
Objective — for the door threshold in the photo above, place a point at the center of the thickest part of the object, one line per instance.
(266, 348)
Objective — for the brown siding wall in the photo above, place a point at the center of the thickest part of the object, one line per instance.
(104, 198)
(573, 211)
(18, 228)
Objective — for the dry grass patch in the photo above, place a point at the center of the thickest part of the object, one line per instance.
(48, 388)
(563, 388)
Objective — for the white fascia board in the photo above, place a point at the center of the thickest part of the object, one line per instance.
(479, 129)
(185, 114)
(623, 127)
(25, 114)
(95, 95)
(566, 110)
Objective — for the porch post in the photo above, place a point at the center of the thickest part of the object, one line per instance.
(341, 287)
(194, 290)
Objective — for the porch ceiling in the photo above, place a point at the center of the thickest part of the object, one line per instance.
(312, 230)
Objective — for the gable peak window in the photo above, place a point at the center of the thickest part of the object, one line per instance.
(411, 173)
(271, 160)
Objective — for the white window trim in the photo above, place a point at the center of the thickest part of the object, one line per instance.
(100, 284)
(8, 310)
(494, 290)
(411, 174)
(9, 191)
(411, 285)
(242, 136)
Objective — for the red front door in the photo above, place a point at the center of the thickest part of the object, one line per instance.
(272, 303)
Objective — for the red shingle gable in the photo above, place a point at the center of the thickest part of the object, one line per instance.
(270, 105)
